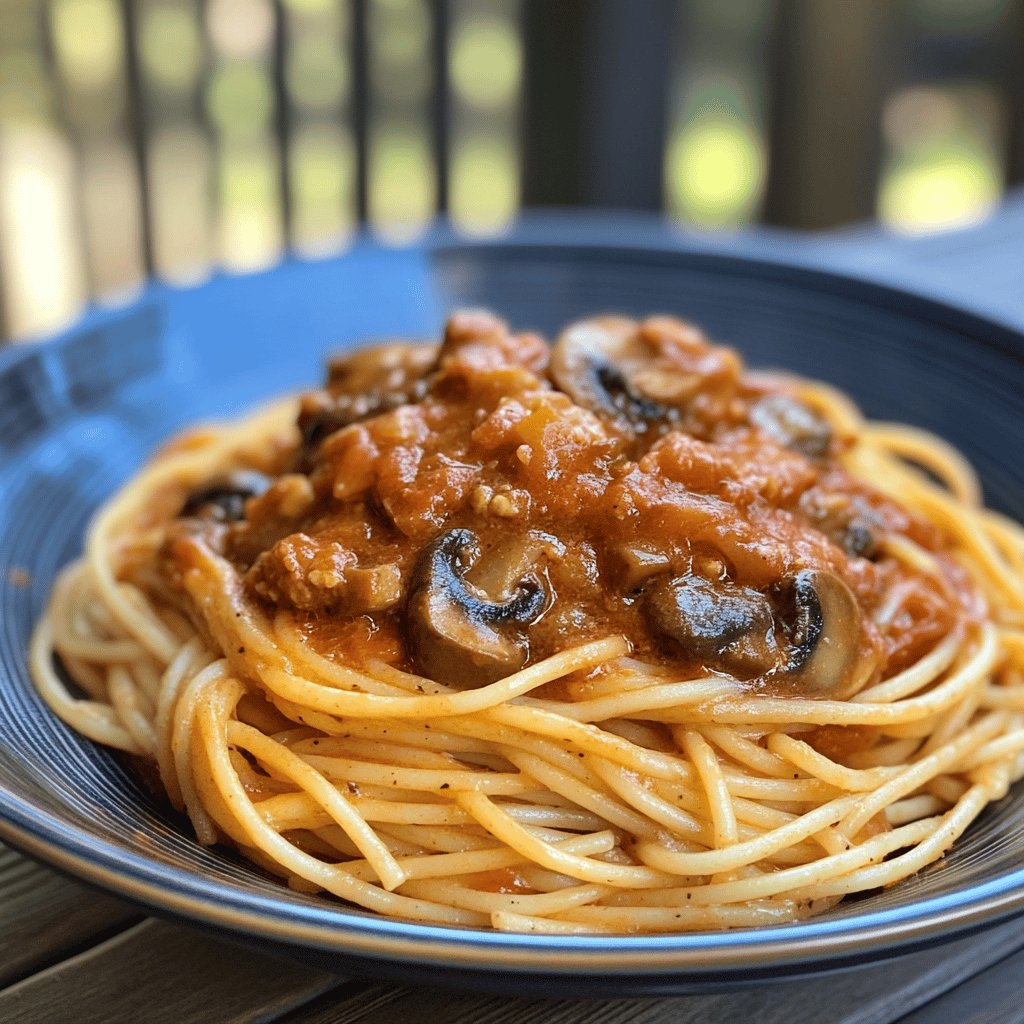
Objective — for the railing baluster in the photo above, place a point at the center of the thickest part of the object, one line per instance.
(361, 106)
(627, 103)
(555, 36)
(1013, 93)
(136, 118)
(440, 113)
(66, 127)
(830, 76)
(596, 102)
(40, 245)
(90, 52)
(282, 119)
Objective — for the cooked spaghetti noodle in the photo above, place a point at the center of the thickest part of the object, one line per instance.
(614, 640)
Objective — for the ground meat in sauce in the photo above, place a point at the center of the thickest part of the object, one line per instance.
(468, 508)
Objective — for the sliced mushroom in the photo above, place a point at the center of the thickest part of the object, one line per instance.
(792, 425)
(362, 384)
(821, 621)
(500, 570)
(223, 498)
(634, 564)
(858, 529)
(858, 538)
(807, 635)
(722, 625)
(457, 633)
(593, 361)
(849, 522)
(320, 415)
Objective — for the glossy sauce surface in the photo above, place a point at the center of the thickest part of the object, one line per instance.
(465, 509)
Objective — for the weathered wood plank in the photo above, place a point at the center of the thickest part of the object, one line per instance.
(45, 917)
(991, 997)
(875, 995)
(164, 974)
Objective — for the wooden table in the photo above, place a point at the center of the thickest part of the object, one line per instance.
(70, 954)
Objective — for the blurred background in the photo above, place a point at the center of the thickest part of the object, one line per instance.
(181, 138)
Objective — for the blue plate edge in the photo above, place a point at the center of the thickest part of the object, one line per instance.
(862, 287)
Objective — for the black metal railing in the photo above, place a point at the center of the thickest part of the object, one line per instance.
(169, 137)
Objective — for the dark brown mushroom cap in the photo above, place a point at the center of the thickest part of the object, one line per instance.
(362, 384)
(793, 425)
(805, 635)
(722, 625)
(822, 622)
(859, 538)
(849, 521)
(593, 362)
(457, 634)
(223, 497)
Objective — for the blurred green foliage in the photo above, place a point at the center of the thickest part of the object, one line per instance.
(222, 177)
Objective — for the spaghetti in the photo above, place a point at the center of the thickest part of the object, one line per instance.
(606, 638)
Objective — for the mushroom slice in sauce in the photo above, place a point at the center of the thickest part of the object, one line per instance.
(722, 625)
(458, 634)
(223, 498)
(822, 621)
(634, 564)
(499, 571)
(592, 362)
(365, 383)
(859, 538)
(849, 521)
(793, 425)
(809, 639)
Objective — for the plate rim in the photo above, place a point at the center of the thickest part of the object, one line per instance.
(828, 943)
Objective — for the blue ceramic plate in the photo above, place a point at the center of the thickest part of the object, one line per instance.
(79, 415)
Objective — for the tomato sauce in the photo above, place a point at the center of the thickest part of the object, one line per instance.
(463, 510)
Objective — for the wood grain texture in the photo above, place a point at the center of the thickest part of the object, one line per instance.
(160, 973)
(874, 995)
(991, 997)
(45, 917)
